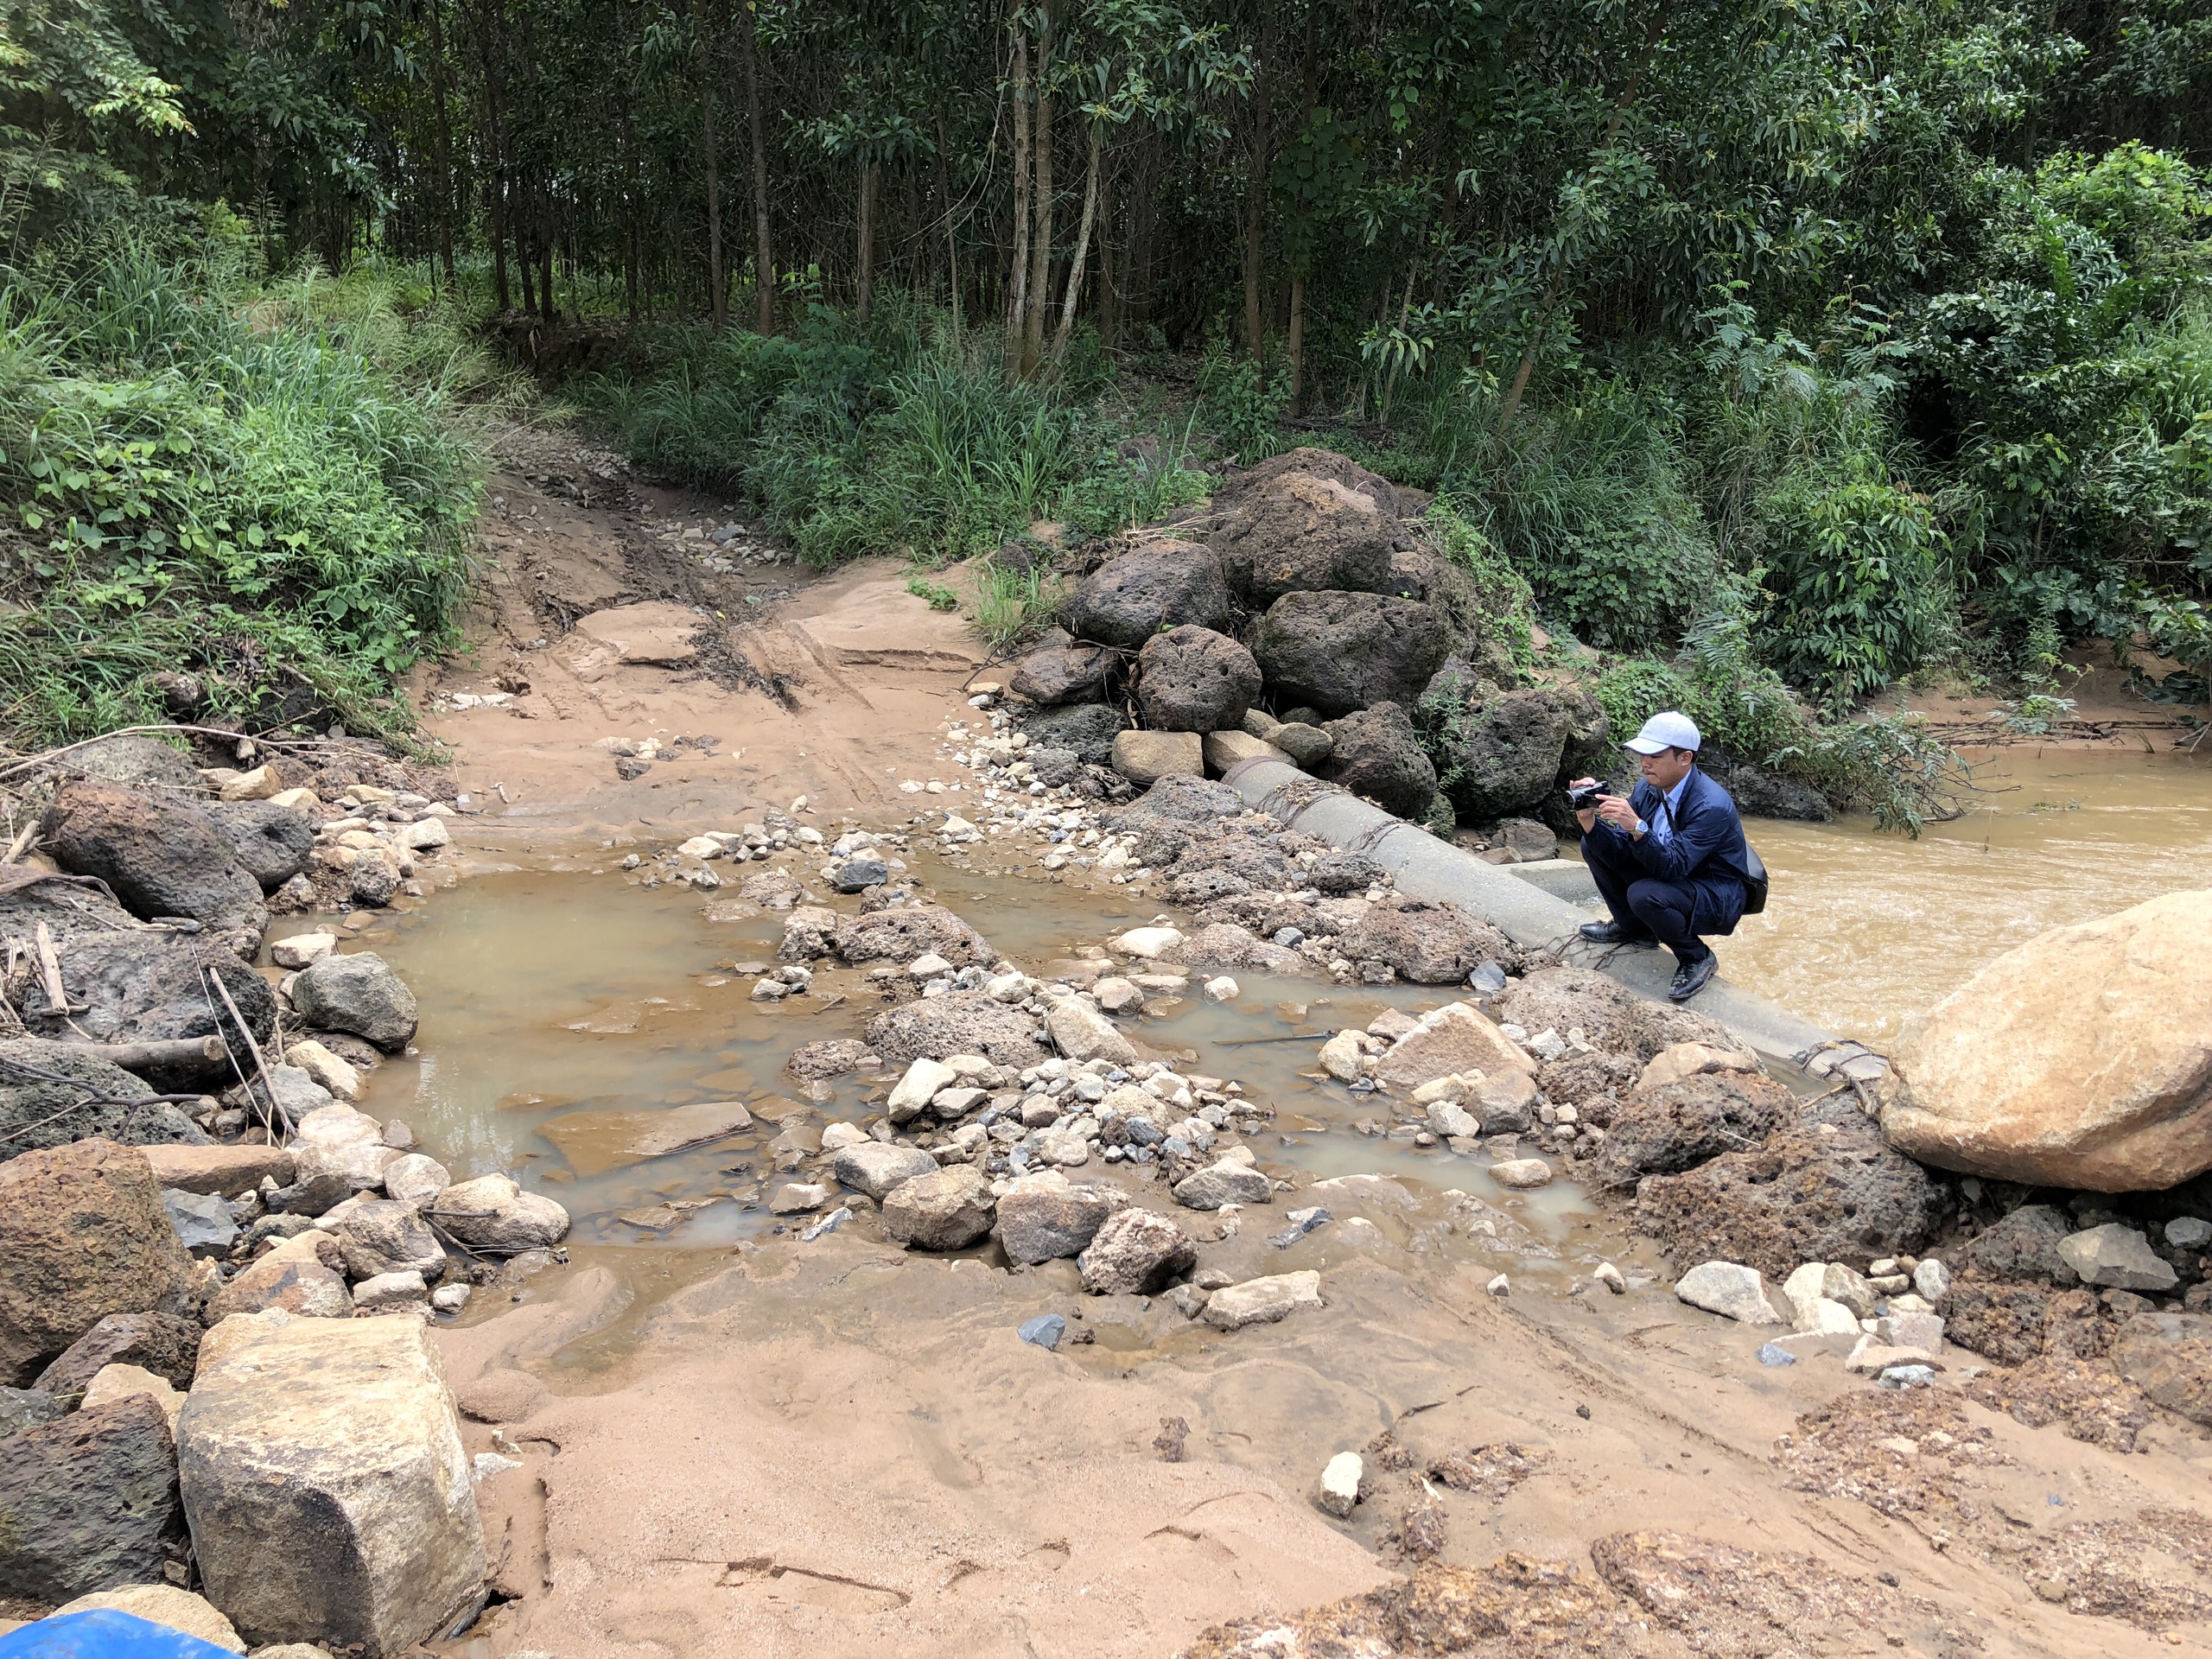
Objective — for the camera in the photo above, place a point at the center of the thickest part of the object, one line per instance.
(1582, 799)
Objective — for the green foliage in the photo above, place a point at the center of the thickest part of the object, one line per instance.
(898, 446)
(1501, 593)
(192, 491)
(1852, 569)
(940, 598)
(1243, 404)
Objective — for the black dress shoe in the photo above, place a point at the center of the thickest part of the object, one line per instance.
(1613, 933)
(1691, 977)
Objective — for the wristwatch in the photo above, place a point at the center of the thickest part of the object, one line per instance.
(1640, 830)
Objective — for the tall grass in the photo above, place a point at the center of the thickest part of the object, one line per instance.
(898, 441)
(210, 477)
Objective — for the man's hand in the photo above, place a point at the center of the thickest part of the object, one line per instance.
(1587, 817)
(1618, 813)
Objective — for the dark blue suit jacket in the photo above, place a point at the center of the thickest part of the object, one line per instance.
(1707, 852)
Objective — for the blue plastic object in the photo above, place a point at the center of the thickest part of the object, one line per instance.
(103, 1633)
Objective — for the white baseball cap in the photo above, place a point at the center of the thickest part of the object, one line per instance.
(1669, 730)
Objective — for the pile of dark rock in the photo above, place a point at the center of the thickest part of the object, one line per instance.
(1305, 615)
(196, 1221)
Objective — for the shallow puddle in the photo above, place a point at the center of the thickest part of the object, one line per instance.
(569, 1017)
(1864, 928)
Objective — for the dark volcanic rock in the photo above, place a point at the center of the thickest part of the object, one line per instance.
(1340, 651)
(1826, 1189)
(164, 1343)
(161, 861)
(1680, 1125)
(959, 1022)
(1126, 600)
(2022, 1246)
(1759, 793)
(901, 932)
(1191, 679)
(1060, 674)
(35, 1113)
(1611, 1016)
(1089, 728)
(357, 993)
(70, 908)
(1999, 1320)
(89, 1502)
(1233, 492)
(1298, 532)
(1186, 801)
(1429, 944)
(1334, 872)
(151, 986)
(1513, 750)
(273, 843)
(135, 761)
(1376, 753)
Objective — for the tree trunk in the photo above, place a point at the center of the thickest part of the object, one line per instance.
(1622, 105)
(1017, 285)
(717, 292)
(1297, 341)
(546, 308)
(870, 175)
(1081, 248)
(1040, 202)
(1256, 209)
(446, 205)
(1108, 288)
(764, 265)
(952, 246)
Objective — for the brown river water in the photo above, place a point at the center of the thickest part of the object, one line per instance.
(561, 1003)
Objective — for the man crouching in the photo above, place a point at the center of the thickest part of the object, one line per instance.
(1671, 860)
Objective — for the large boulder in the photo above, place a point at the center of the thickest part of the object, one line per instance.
(160, 859)
(946, 1209)
(326, 1483)
(2082, 1059)
(164, 1343)
(385, 1235)
(1339, 652)
(1135, 1253)
(1192, 679)
(878, 1168)
(1060, 674)
(1082, 1033)
(89, 1502)
(1610, 1015)
(147, 987)
(358, 993)
(131, 760)
(272, 842)
(902, 932)
(82, 1235)
(494, 1217)
(1678, 1125)
(36, 1113)
(303, 1275)
(1427, 943)
(2023, 1245)
(1044, 1217)
(959, 1022)
(1298, 532)
(1376, 753)
(1126, 601)
(1824, 1189)
(68, 907)
(1508, 753)
(1231, 494)
(1450, 1041)
(1086, 729)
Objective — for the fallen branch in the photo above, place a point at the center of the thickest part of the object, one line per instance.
(161, 1054)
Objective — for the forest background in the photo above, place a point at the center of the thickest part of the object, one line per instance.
(1830, 344)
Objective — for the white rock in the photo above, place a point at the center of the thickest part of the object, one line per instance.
(1610, 1276)
(450, 1299)
(338, 1076)
(415, 1178)
(1222, 989)
(1081, 1033)
(1522, 1172)
(1727, 1288)
(929, 965)
(492, 1214)
(1451, 1119)
(1921, 1331)
(1499, 1286)
(917, 1087)
(1932, 1280)
(428, 834)
(798, 1197)
(165, 1604)
(256, 786)
(1873, 1356)
(324, 1481)
(301, 949)
(391, 1289)
(1264, 1300)
(1150, 942)
(1344, 1057)
(702, 847)
(337, 1140)
(122, 1382)
(1340, 1485)
(837, 1136)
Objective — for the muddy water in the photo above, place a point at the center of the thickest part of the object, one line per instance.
(566, 1013)
(1864, 928)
